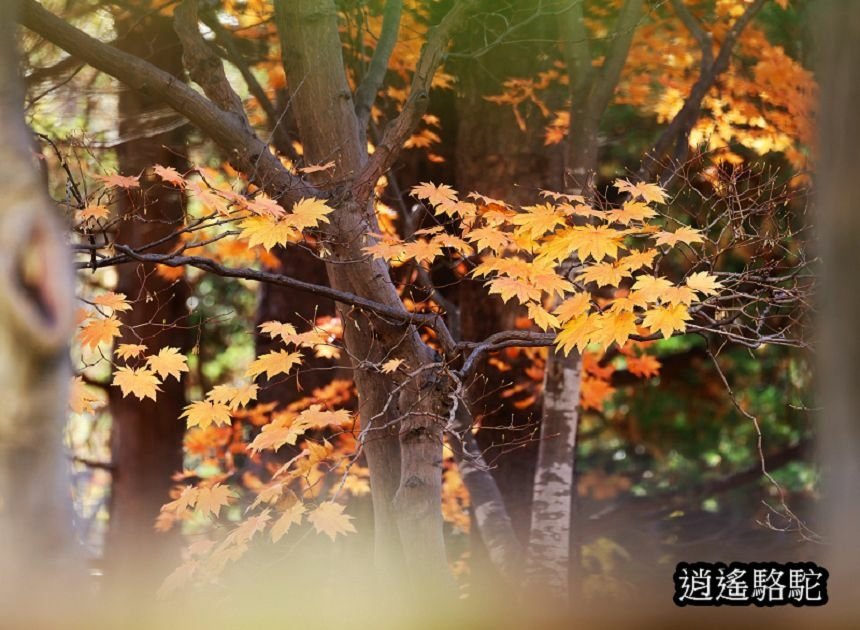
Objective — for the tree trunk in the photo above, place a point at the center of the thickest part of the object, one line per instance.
(147, 435)
(403, 446)
(838, 224)
(37, 546)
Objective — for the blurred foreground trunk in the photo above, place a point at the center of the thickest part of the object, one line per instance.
(838, 222)
(37, 545)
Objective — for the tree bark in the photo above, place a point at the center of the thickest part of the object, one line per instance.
(838, 227)
(37, 543)
(146, 439)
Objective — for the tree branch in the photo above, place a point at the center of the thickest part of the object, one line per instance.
(681, 125)
(249, 153)
(399, 129)
(366, 92)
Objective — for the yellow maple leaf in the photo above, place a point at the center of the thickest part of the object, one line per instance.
(81, 396)
(168, 362)
(538, 220)
(94, 212)
(278, 329)
(99, 331)
(211, 500)
(681, 235)
(648, 192)
(422, 251)
(330, 520)
(141, 382)
(573, 306)
(605, 274)
(704, 283)
(489, 238)
(233, 397)
(666, 319)
(274, 363)
(651, 288)
(291, 516)
(127, 351)
(203, 413)
(113, 301)
(186, 499)
(614, 326)
(679, 295)
(513, 288)
(317, 168)
(576, 333)
(308, 213)
(391, 365)
(631, 211)
(541, 317)
(587, 240)
(638, 259)
(435, 195)
(268, 232)
(264, 205)
(317, 417)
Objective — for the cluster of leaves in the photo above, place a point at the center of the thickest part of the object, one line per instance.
(554, 258)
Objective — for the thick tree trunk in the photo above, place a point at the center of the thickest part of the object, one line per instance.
(37, 545)
(147, 435)
(403, 446)
(838, 224)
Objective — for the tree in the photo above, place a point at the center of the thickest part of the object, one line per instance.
(37, 299)
(582, 247)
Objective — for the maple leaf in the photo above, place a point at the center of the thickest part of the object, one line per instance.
(81, 397)
(268, 232)
(435, 195)
(679, 295)
(317, 417)
(576, 333)
(330, 520)
(573, 307)
(203, 413)
(186, 499)
(243, 395)
(542, 318)
(278, 329)
(681, 235)
(168, 362)
(489, 238)
(169, 175)
(614, 326)
(638, 259)
(588, 240)
(111, 300)
(704, 283)
(631, 211)
(604, 274)
(128, 351)
(211, 500)
(666, 319)
(120, 181)
(308, 213)
(645, 366)
(264, 205)
(291, 516)
(648, 192)
(391, 366)
(513, 288)
(141, 382)
(651, 288)
(95, 212)
(422, 251)
(538, 220)
(317, 168)
(99, 331)
(274, 363)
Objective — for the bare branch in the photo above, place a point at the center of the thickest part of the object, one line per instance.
(249, 153)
